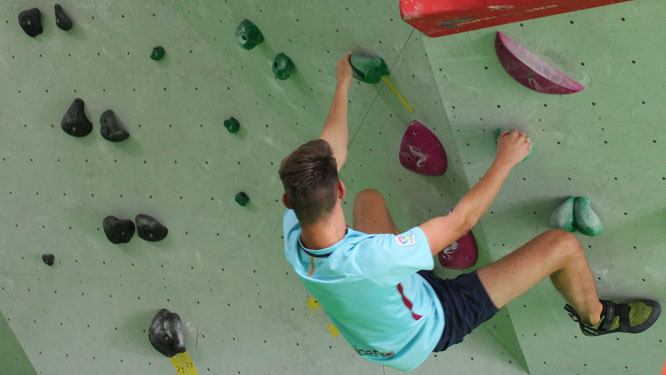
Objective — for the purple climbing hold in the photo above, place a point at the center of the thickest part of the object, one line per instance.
(422, 152)
(461, 254)
(531, 71)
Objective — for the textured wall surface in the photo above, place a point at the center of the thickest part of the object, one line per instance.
(222, 266)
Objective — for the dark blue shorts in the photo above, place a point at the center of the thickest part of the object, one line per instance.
(466, 305)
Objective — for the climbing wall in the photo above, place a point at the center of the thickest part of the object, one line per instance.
(222, 266)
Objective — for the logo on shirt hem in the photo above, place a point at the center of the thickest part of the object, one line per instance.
(373, 353)
(406, 240)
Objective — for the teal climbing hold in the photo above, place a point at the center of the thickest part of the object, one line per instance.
(232, 125)
(368, 69)
(563, 216)
(248, 35)
(242, 199)
(158, 53)
(586, 219)
(499, 131)
(283, 66)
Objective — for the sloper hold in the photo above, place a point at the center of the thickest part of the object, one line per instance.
(499, 131)
(368, 69)
(283, 66)
(421, 151)
(166, 333)
(75, 122)
(62, 20)
(461, 254)
(31, 22)
(112, 129)
(531, 71)
(563, 216)
(248, 35)
(117, 230)
(149, 228)
(586, 219)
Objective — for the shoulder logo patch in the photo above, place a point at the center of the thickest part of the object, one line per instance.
(406, 240)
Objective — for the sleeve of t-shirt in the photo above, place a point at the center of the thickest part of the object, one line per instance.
(386, 259)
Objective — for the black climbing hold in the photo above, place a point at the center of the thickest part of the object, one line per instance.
(248, 35)
(242, 199)
(117, 230)
(149, 228)
(158, 53)
(48, 259)
(75, 122)
(62, 20)
(232, 125)
(31, 22)
(166, 333)
(112, 129)
(368, 69)
(282, 66)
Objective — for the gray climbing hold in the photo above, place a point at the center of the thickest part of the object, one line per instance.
(149, 228)
(48, 259)
(117, 230)
(166, 333)
(75, 122)
(62, 20)
(31, 22)
(112, 129)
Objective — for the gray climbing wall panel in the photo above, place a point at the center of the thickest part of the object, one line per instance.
(221, 267)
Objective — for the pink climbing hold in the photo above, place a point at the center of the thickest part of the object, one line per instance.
(421, 151)
(461, 254)
(531, 71)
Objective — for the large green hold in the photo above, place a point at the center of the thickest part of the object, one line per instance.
(499, 131)
(283, 66)
(587, 220)
(248, 35)
(563, 216)
(368, 69)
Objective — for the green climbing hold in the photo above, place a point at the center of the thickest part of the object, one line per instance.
(232, 125)
(158, 53)
(242, 199)
(248, 35)
(586, 219)
(282, 66)
(368, 69)
(499, 131)
(563, 216)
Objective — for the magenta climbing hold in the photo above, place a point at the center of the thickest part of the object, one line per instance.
(422, 152)
(531, 71)
(461, 254)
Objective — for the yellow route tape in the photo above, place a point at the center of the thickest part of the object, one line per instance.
(333, 330)
(313, 304)
(183, 364)
(395, 91)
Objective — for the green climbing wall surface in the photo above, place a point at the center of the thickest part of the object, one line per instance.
(221, 266)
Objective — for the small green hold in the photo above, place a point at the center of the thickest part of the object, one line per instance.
(248, 35)
(563, 216)
(242, 199)
(283, 66)
(499, 131)
(587, 220)
(368, 69)
(232, 125)
(158, 53)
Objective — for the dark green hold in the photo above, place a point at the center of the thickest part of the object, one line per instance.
(283, 66)
(368, 69)
(158, 53)
(232, 125)
(48, 259)
(248, 35)
(242, 199)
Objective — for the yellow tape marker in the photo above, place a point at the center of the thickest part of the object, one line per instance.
(333, 330)
(395, 91)
(187, 362)
(313, 304)
(180, 369)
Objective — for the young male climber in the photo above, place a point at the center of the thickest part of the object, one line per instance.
(373, 282)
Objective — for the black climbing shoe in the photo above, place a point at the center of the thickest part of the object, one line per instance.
(31, 22)
(118, 231)
(62, 20)
(112, 129)
(48, 259)
(75, 122)
(166, 334)
(630, 317)
(149, 228)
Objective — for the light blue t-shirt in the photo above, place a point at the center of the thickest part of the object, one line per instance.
(368, 285)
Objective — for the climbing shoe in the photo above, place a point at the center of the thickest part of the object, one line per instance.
(630, 317)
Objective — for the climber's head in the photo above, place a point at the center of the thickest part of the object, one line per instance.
(310, 178)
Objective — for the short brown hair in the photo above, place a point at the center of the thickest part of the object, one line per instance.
(310, 178)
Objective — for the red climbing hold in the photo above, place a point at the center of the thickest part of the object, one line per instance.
(461, 254)
(530, 71)
(421, 152)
